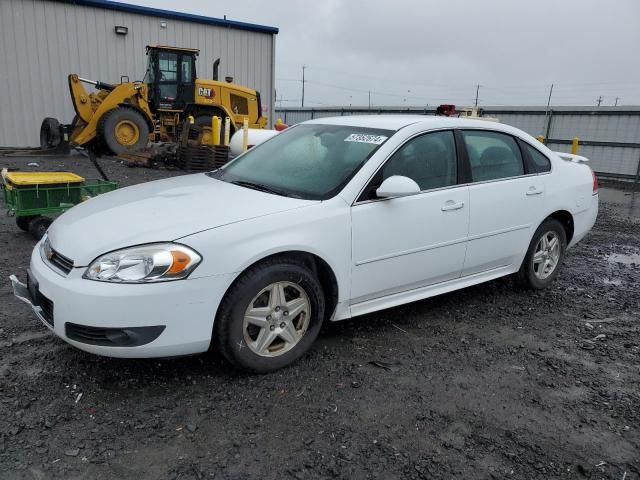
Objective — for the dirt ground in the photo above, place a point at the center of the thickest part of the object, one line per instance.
(487, 382)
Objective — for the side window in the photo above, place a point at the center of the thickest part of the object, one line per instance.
(239, 105)
(492, 155)
(539, 162)
(429, 160)
(187, 76)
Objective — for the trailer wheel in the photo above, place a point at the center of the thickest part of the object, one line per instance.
(38, 226)
(23, 222)
(50, 133)
(123, 130)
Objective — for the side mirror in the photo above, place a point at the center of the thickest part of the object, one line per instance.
(397, 186)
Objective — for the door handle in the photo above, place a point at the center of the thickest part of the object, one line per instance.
(451, 205)
(533, 191)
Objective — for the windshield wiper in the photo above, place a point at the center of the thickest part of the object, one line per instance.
(260, 187)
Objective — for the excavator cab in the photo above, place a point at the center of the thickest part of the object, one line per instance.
(171, 77)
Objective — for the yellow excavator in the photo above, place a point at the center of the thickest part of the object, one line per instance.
(122, 118)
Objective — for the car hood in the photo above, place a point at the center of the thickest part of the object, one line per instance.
(163, 210)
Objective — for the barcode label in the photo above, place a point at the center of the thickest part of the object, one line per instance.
(364, 138)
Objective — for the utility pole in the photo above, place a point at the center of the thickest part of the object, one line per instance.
(303, 69)
(546, 112)
(599, 100)
(477, 90)
(369, 99)
(549, 99)
(616, 104)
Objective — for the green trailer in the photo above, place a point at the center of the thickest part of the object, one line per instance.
(32, 196)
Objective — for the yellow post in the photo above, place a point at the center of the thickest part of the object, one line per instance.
(215, 129)
(245, 134)
(227, 130)
(540, 138)
(574, 145)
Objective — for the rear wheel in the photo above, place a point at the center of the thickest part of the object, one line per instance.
(270, 316)
(544, 257)
(50, 136)
(38, 226)
(204, 122)
(123, 130)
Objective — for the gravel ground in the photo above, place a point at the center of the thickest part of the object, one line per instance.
(487, 382)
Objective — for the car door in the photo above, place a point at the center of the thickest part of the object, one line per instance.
(404, 243)
(186, 85)
(506, 201)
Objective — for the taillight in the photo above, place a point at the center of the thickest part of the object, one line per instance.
(595, 182)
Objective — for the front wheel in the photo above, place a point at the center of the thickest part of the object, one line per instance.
(545, 255)
(123, 130)
(270, 316)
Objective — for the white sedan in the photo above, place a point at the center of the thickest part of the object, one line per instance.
(330, 219)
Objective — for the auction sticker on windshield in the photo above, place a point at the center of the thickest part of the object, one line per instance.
(364, 138)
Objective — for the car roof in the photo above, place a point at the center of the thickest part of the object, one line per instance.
(396, 122)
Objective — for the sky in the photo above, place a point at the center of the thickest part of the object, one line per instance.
(427, 52)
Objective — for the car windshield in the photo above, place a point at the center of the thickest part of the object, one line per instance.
(309, 161)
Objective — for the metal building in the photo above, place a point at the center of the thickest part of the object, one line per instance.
(42, 41)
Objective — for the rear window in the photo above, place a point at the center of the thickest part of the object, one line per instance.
(539, 162)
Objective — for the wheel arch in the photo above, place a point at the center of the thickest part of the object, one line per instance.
(209, 110)
(135, 108)
(315, 263)
(566, 219)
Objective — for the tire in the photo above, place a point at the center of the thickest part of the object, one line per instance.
(38, 226)
(50, 135)
(205, 121)
(238, 340)
(134, 130)
(23, 222)
(535, 273)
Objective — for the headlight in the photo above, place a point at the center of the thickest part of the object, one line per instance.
(158, 262)
(46, 252)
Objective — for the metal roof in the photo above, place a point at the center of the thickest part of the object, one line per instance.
(157, 12)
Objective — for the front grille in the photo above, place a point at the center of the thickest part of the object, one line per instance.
(90, 335)
(39, 300)
(60, 261)
(47, 308)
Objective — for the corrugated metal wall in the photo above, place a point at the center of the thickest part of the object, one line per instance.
(41, 42)
(618, 129)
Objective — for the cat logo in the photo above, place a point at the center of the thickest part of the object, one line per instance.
(206, 92)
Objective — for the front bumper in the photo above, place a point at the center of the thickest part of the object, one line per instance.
(168, 318)
(21, 292)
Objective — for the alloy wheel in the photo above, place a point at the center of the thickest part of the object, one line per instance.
(546, 255)
(276, 319)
